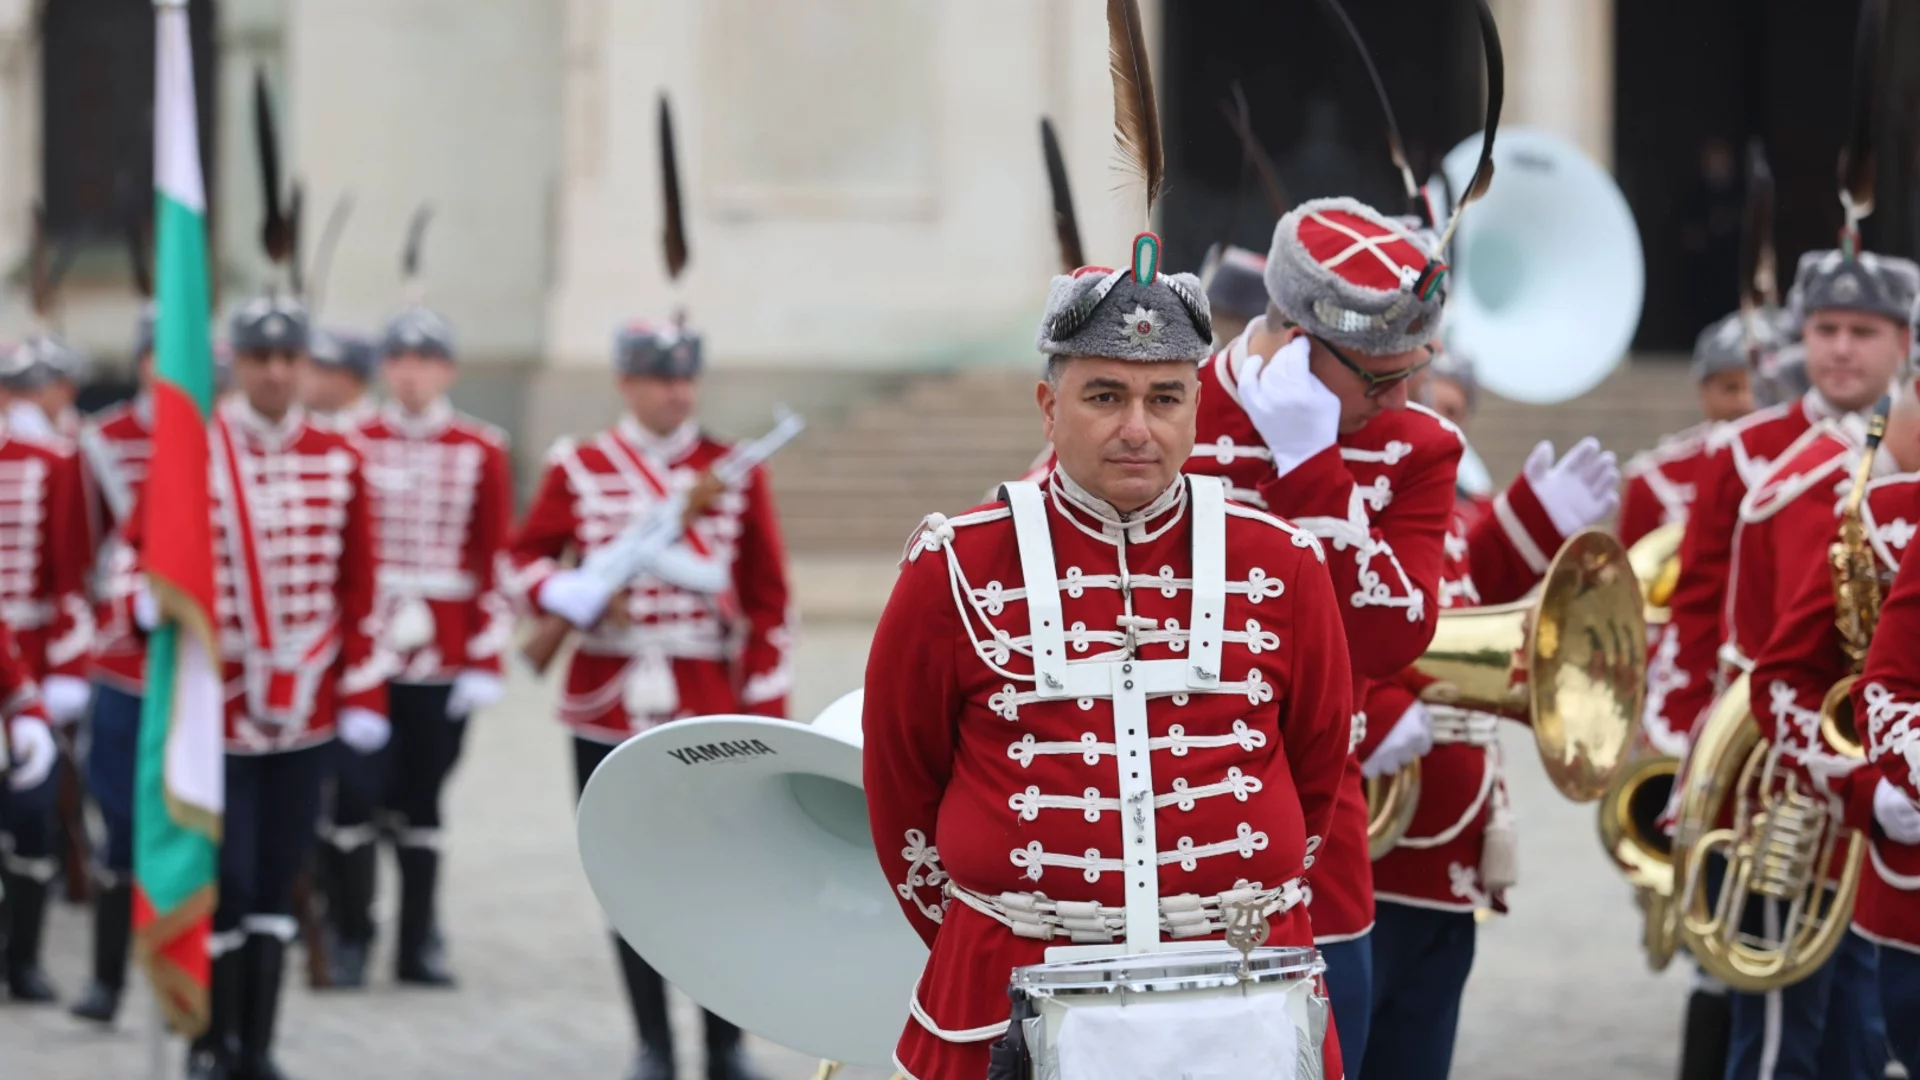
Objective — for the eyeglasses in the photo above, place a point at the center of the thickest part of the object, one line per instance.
(1377, 385)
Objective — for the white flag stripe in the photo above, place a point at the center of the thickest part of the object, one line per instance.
(176, 133)
(195, 750)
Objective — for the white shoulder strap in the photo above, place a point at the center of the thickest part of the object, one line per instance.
(1209, 578)
(1043, 587)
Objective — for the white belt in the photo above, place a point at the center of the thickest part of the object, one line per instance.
(1188, 915)
(28, 614)
(427, 584)
(1461, 726)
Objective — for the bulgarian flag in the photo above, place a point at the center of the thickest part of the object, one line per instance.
(179, 781)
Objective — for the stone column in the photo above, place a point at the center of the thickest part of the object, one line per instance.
(1560, 69)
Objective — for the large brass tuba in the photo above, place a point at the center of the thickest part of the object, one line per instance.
(1656, 562)
(1782, 841)
(1571, 662)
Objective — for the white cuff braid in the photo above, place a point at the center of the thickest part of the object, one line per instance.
(65, 697)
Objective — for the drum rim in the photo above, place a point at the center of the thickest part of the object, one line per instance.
(1197, 969)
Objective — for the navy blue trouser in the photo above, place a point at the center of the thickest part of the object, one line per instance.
(112, 752)
(407, 776)
(1900, 1003)
(27, 826)
(1421, 959)
(1350, 993)
(1827, 1026)
(273, 804)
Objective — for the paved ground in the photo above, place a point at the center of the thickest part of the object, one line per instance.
(1558, 990)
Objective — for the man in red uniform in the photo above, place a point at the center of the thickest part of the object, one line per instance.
(1855, 309)
(1322, 434)
(43, 552)
(26, 820)
(1836, 1022)
(1661, 482)
(1886, 701)
(1005, 738)
(442, 504)
(293, 551)
(1853, 350)
(115, 446)
(669, 650)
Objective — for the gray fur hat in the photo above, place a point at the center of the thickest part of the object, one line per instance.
(418, 330)
(1135, 313)
(342, 350)
(39, 360)
(1834, 280)
(1239, 284)
(1722, 346)
(1344, 272)
(1790, 379)
(269, 324)
(1457, 368)
(660, 350)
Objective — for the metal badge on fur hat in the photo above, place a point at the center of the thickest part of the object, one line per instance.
(1883, 285)
(420, 331)
(1136, 313)
(1239, 285)
(1343, 271)
(659, 350)
(269, 324)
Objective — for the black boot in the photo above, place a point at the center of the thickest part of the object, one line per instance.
(112, 931)
(348, 878)
(1703, 1041)
(419, 960)
(725, 1059)
(211, 1054)
(647, 995)
(27, 920)
(263, 967)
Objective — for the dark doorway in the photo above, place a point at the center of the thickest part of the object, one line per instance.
(1693, 83)
(96, 99)
(1311, 104)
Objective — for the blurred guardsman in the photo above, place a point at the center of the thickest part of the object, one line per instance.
(294, 554)
(442, 504)
(336, 380)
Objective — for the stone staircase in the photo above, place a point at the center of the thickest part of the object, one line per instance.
(941, 441)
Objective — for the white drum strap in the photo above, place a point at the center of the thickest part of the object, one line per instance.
(1043, 588)
(1209, 511)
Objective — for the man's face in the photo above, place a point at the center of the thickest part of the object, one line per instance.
(1726, 394)
(327, 389)
(1852, 355)
(417, 381)
(1121, 429)
(55, 397)
(1356, 408)
(267, 380)
(660, 404)
(1446, 397)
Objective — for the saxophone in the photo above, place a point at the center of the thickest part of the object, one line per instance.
(1783, 839)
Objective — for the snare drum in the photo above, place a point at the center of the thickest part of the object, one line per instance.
(1189, 1014)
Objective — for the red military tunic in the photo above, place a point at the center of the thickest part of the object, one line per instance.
(43, 554)
(1801, 662)
(294, 577)
(1381, 503)
(987, 788)
(1490, 560)
(1685, 675)
(116, 446)
(442, 508)
(678, 652)
(1662, 482)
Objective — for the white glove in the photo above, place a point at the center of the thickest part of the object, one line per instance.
(472, 690)
(575, 597)
(1295, 413)
(146, 610)
(34, 753)
(65, 697)
(1580, 489)
(1896, 813)
(1410, 739)
(364, 730)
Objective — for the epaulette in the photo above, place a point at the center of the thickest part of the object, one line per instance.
(1445, 424)
(1727, 433)
(936, 531)
(1798, 469)
(492, 433)
(1671, 448)
(1301, 538)
(563, 448)
(1893, 536)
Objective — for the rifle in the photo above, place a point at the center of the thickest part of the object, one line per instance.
(647, 545)
(76, 845)
(309, 911)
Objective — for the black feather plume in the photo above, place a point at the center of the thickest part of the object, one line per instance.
(1857, 153)
(1496, 96)
(323, 253)
(295, 200)
(273, 230)
(412, 256)
(140, 260)
(1066, 227)
(1136, 115)
(1395, 148)
(1253, 156)
(1758, 288)
(673, 234)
